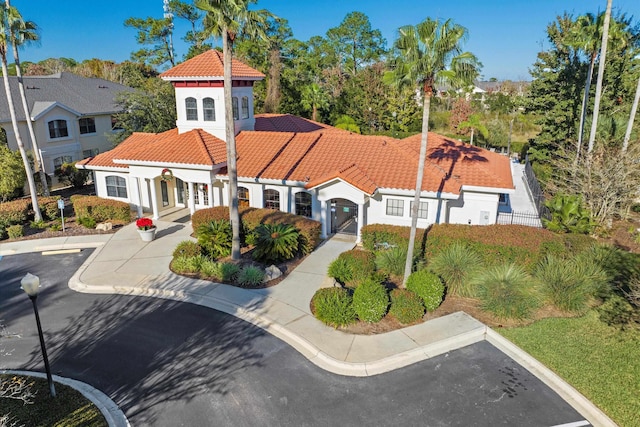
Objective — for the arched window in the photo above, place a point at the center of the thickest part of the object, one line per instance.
(245, 107)
(234, 104)
(209, 109)
(116, 187)
(58, 129)
(243, 197)
(192, 108)
(272, 199)
(303, 204)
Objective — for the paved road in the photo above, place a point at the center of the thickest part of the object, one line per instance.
(174, 364)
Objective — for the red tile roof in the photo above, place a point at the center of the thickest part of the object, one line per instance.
(290, 123)
(316, 157)
(209, 65)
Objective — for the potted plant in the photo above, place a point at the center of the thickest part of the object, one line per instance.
(146, 229)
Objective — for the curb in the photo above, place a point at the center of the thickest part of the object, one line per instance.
(111, 412)
(573, 397)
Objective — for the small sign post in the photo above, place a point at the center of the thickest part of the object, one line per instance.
(61, 207)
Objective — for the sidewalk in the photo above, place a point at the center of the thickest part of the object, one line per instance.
(123, 264)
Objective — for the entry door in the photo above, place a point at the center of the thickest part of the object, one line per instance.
(165, 193)
(344, 217)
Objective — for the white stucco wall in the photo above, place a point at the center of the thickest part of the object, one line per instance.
(474, 208)
(377, 211)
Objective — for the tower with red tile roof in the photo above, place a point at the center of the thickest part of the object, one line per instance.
(199, 87)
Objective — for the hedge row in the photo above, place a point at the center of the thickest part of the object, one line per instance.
(100, 209)
(14, 212)
(376, 235)
(251, 218)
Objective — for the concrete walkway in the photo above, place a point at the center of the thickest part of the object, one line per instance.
(123, 264)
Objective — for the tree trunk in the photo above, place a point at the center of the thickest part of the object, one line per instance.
(634, 109)
(14, 121)
(603, 57)
(272, 100)
(471, 141)
(314, 114)
(408, 266)
(585, 104)
(234, 215)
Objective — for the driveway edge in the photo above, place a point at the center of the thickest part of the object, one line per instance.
(111, 412)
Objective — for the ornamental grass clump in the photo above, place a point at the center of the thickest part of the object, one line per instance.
(507, 291)
(333, 306)
(428, 286)
(228, 271)
(457, 264)
(370, 301)
(250, 276)
(406, 306)
(392, 260)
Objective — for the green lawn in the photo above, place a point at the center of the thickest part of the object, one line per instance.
(69, 409)
(601, 362)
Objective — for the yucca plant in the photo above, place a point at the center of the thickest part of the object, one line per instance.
(275, 242)
(506, 290)
(215, 238)
(457, 264)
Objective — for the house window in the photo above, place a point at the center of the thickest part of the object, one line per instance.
(303, 204)
(116, 187)
(59, 161)
(115, 125)
(209, 109)
(87, 125)
(192, 108)
(90, 153)
(245, 107)
(504, 198)
(395, 207)
(58, 129)
(423, 208)
(243, 197)
(234, 104)
(272, 199)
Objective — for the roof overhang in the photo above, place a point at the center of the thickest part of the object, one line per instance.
(170, 164)
(43, 108)
(102, 168)
(200, 78)
(493, 190)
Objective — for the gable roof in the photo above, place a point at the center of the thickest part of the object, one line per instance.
(209, 65)
(85, 96)
(291, 123)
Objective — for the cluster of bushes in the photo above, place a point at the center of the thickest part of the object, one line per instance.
(190, 258)
(68, 174)
(15, 214)
(90, 210)
(364, 296)
(276, 235)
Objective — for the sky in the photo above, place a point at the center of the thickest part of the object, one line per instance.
(505, 35)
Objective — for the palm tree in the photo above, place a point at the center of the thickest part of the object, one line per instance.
(430, 54)
(226, 19)
(313, 98)
(8, 18)
(473, 123)
(632, 116)
(603, 57)
(20, 33)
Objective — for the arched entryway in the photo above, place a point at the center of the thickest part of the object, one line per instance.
(344, 217)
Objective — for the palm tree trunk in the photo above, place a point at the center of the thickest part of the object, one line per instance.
(471, 142)
(585, 103)
(37, 156)
(634, 109)
(14, 121)
(408, 266)
(314, 114)
(603, 56)
(272, 100)
(234, 215)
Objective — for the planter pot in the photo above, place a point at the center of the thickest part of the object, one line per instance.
(147, 235)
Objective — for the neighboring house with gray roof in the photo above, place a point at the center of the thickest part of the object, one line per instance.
(72, 116)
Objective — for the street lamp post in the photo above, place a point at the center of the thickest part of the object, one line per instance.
(30, 285)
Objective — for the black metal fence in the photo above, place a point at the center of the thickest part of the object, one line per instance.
(536, 192)
(530, 219)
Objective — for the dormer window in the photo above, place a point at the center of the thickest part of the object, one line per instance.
(209, 109)
(234, 104)
(245, 107)
(192, 108)
(58, 129)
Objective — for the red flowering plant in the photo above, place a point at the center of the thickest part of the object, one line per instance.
(144, 224)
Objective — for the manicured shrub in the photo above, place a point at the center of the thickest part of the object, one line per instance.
(250, 276)
(184, 265)
(49, 207)
(333, 306)
(617, 311)
(70, 175)
(275, 242)
(187, 248)
(206, 216)
(457, 264)
(228, 271)
(15, 231)
(215, 238)
(340, 270)
(101, 209)
(14, 212)
(392, 260)
(428, 286)
(211, 270)
(376, 236)
(40, 225)
(570, 284)
(86, 221)
(506, 291)
(352, 267)
(406, 306)
(370, 301)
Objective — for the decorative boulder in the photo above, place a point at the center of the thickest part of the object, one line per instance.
(271, 272)
(104, 226)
